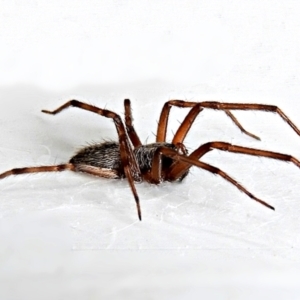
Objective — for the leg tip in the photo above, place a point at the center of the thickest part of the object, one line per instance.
(140, 216)
(46, 111)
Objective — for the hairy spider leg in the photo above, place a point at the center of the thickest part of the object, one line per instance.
(198, 107)
(105, 173)
(19, 171)
(128, 159)
(129, 124)
(164, 117)
(158, 171)
(154, 175)
(96, 171)
(194, 162)
(179, 168)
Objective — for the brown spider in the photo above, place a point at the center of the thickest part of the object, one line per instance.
(159, 161)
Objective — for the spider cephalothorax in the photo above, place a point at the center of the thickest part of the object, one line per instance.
(159, 161)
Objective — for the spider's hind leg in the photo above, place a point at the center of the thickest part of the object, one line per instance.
(95, 171)
(20, 171)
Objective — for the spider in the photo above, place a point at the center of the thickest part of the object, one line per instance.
(159, 161)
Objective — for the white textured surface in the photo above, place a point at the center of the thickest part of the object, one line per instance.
(70, 236)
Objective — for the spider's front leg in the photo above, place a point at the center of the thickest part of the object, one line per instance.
(188, 121)
(180, 168)
(197, 107)
(184, 163)
(128, 160)
(160, 164)
(190, 161)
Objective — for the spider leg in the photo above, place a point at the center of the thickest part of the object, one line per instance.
(95, 171)
(164, 117)
(19, 171)
(251, 106)
(194, 162)
(188, 121)
(158, 170)
(179, 168)
(129, 124)
(129, 163)
(155, 174)
(127, 171)
(245, 150)
(198, 107)
(238, 124)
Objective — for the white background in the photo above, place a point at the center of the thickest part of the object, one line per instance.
(72, 236)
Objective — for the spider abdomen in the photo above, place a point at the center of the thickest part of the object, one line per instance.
(102, 156)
